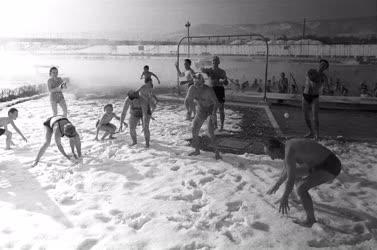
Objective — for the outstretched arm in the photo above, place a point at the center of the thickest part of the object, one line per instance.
(180, 74)
(99, 126)
(142, 74)
(291, 172)
(118, 118)
(282, 178)
(124, 112)
(59, 143)
(18, 131)
(156, 77)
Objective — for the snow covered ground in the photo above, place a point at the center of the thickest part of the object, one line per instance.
(159, 198)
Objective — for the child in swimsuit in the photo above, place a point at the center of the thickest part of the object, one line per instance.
(148, 76)
(104, 123)
(4, 121)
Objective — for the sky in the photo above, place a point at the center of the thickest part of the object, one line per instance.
(143, 18)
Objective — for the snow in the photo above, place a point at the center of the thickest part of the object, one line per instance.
(125, 197)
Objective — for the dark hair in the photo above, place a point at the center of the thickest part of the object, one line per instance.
(188, 61)
(132, 94)
(146, 67)
(53, 68)
(108, 105)
(12, 110)
(324, 61)
(273, 143)
(69, 130)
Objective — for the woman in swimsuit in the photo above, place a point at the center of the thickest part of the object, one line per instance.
(55, 85)
(61, 126)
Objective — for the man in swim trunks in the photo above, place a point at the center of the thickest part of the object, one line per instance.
(4, 121)
(61, 126)
(188, 74)
(138, 111)
(105, 122)
(207, 106)
(148, 76)
(307, 163)
(218, 79)
(310, 101)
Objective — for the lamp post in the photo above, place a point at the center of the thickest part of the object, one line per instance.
(187, 25)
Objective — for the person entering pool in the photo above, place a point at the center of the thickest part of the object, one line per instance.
(307, 164)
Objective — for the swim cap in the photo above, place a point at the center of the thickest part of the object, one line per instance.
(108, 106)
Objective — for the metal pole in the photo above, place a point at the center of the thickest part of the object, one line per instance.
(266, 72)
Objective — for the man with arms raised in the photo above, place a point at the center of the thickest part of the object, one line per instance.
(207, 104)
(218, 79)
(307, 163)
(189, 80)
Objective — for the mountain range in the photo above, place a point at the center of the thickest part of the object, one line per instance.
(359, 26)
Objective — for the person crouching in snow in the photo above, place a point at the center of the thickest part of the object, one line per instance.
(104, 123)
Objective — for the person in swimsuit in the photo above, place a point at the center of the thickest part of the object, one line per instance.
(306, 163)
(207, 106)
(60, 126)
(218, 79)
(315, 80)
(147, 75)
(4, 121)
(105, 124)
(55, 85)
(189, 80)
(138, 111)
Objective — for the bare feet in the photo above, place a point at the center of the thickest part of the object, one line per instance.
(8, 148)
(196, 152)
(305, 223)
(111, 137)
(34, 164)
(133, 144)
(146, 145)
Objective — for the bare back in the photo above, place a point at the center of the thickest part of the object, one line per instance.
(307, 153)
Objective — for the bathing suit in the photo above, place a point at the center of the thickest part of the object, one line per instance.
(309, 98)
(50, 122)
(137, 112)
(331, 164)
(2, 131)
(103, 124)
(220, 93)
(204, 112)
(56, 96)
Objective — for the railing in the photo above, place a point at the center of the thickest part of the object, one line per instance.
(228, 36)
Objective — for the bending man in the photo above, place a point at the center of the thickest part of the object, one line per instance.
(60, 126)
(207, 104)
(307, 163)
